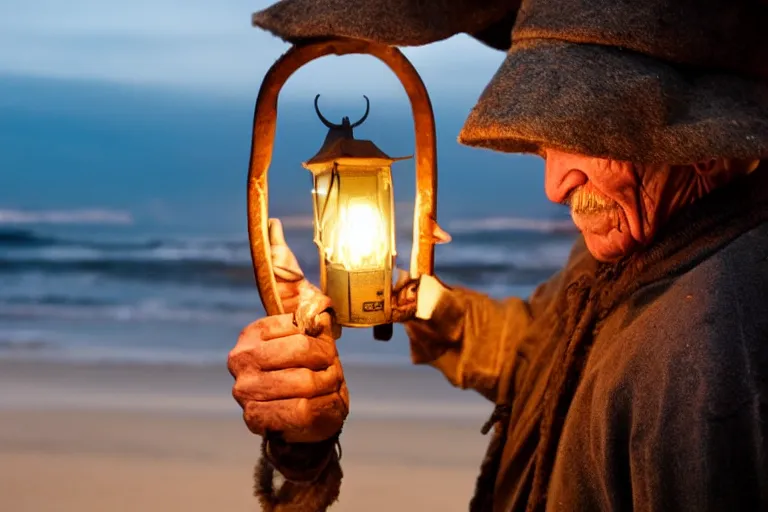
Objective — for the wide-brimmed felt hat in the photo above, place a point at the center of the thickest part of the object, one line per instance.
(673, 81)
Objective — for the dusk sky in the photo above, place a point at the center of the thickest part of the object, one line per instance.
(200, 44)
(141, 110)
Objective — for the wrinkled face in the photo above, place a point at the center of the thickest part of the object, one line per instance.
(602, 195)
(619, 206)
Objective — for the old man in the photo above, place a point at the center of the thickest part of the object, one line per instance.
(636, 378)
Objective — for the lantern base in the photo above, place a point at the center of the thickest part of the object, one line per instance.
(383, 332)
(361, 298)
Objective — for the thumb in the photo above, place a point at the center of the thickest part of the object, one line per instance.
(276, 234)
(284, 263)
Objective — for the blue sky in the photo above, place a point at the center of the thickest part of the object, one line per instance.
(203, 45)
(142, 109)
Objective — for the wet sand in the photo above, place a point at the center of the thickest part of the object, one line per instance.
(144, 438)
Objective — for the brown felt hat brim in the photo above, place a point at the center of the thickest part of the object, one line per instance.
(391, 22)
(608, 102)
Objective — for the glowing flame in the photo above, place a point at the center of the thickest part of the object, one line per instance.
(358, 238)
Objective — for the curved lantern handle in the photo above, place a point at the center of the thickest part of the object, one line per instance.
(265, 120)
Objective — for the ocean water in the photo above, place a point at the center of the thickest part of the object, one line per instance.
(125, 294)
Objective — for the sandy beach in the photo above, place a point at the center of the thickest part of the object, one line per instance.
(77, 437)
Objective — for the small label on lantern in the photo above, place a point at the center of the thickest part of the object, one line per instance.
(370, 307)
(359, 298)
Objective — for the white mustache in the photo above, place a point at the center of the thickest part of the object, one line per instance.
(584, 201)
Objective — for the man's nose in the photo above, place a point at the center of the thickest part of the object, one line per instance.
(563, 173)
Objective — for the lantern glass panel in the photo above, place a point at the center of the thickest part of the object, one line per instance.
(354, 233)
(354, 225)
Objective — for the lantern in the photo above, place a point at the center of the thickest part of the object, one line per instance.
(354, 225)
(352, 196)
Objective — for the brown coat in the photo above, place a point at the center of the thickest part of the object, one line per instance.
(669, 410)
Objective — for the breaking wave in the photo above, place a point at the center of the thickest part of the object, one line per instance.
(90, 216)
(473, 257)
(494, 224)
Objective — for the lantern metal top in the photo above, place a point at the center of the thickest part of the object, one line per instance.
(341, 146)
